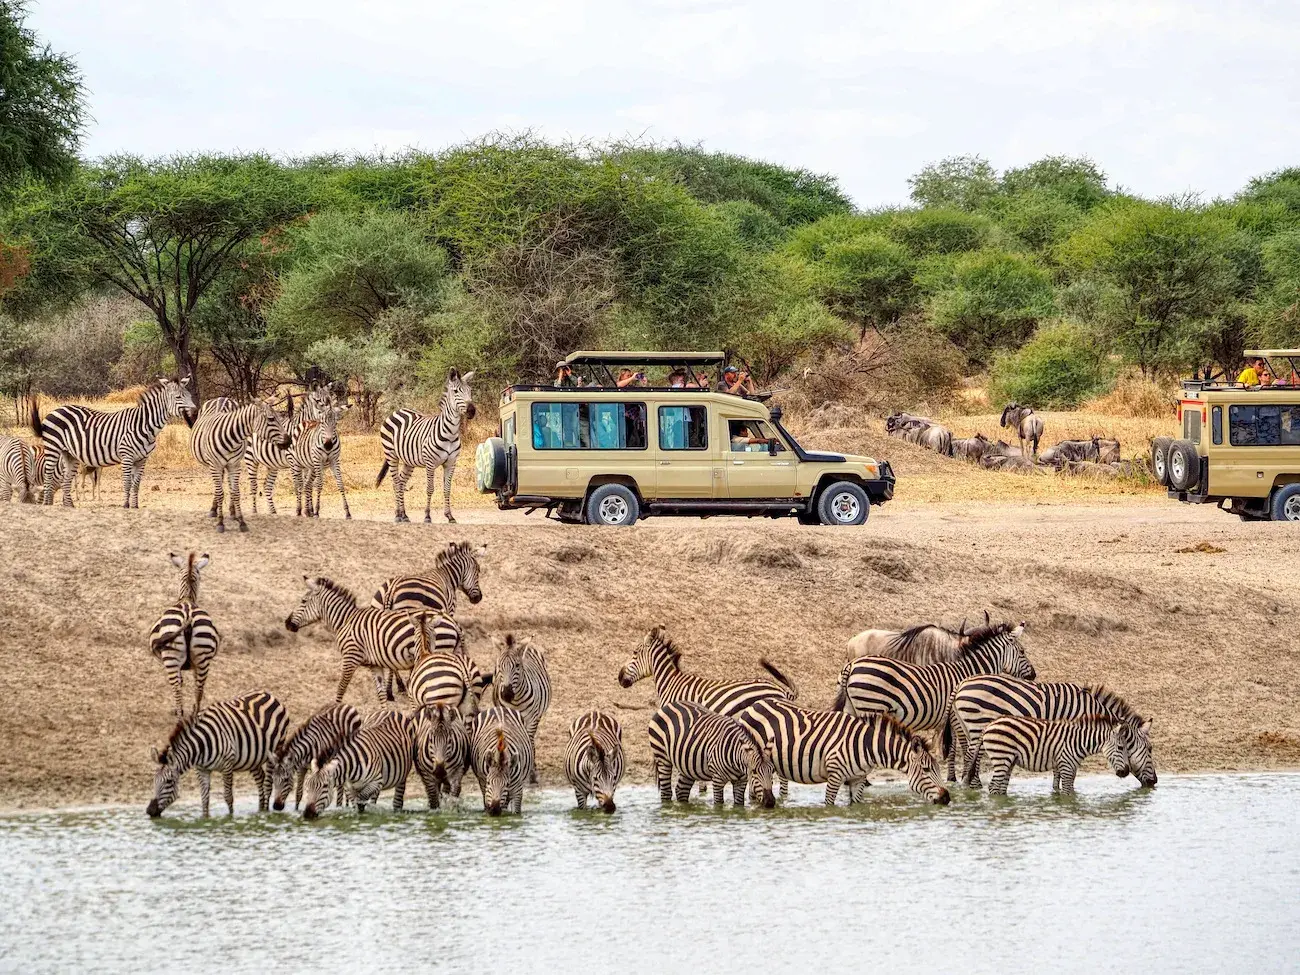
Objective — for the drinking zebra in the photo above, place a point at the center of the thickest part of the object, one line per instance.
(703, 746)
(79, 435)
(456, 567)
(373, 638)
(185, 638)
(16, 464)
(412, 440)
(441, 750)
(1058, 747)
(593, 760)
(841, 750)
(219, 440)
(293, 757)
(501, 755)
(268, 454)
(918, 696)
(979, 700)
(521, 681)
(316, 447)
(237, 735)
(378, 757)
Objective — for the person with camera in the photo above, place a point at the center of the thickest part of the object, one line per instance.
(737, 382)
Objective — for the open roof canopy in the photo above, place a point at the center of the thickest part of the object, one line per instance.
(590, 358)
(1265, 353)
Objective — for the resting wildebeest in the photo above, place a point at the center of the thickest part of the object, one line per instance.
(1015, 461)
(895, 423)
(1027, 424)
(937, 438)
(970, 448)
(1096, 450)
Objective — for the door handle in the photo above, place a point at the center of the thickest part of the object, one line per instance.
(738, 463)
(664, 463)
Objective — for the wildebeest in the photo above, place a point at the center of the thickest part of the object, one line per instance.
(1014, 461)
(1027, 424)
(920, 430)
(927, 643)
(970, 448)
(1097, 450)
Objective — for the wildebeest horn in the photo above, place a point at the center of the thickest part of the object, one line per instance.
(987, 620)
(962, 631)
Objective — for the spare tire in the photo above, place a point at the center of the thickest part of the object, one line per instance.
(1160, 459)
(1183, 465)
(490, 465)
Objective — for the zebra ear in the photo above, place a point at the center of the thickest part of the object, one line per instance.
(312, 583)
(177, 560)
(153, 754)
(467, 377)
(1145, 727)
(452, 374)
(202, 561)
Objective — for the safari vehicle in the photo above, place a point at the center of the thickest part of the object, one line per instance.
(598, 454)
(1240, 447)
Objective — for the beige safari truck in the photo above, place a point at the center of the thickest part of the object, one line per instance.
(1240, 447)
(671, 442)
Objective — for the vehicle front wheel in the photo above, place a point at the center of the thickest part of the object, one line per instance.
(1285, 505)
(843, 503)
(613, 504)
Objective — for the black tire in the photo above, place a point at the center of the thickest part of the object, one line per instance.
(843, 503)
(1183, 465)
(613, 504)
(1285, 503)
(1160, 459)
(491, 465)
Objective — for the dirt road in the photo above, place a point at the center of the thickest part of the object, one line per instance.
(1187, 612)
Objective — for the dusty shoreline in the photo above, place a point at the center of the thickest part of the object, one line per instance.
(1202, 642)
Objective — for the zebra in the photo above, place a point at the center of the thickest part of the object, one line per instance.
(593, 760)
(501, 755)
(447, 678)
(702, 745)
(316, 447)
(441, 750)
(185, 638)
(219, 440)
(521, 681)
(455, 567)
(918, 696)
(979, 700)
(269, 454)
(236, 735)
(17, 461)
(441, 637)
(293, 757)
(79, 435)
(379, 756)
(1058, 747)
(840, 749)
(412, 440)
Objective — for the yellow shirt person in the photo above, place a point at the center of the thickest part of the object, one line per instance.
(1248, 377)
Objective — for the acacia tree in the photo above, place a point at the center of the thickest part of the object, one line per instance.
(231, 320)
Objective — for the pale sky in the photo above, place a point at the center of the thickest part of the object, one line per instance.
(1166, 96)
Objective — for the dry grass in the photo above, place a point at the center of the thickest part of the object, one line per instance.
(1136, 397)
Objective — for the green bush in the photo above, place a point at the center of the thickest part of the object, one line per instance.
(1060, 367)
(988, 299)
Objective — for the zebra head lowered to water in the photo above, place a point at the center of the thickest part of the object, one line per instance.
(593, 760)
(441, 751)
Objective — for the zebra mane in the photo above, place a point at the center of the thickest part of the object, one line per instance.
(659, 638)
(889, 721)
(338, 589)
(330, 750)
(182, 726)
(1114, 706)
(450, 551)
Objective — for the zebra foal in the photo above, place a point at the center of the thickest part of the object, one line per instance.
(521, 681)
(293, 757)
(219, 441)
(1058, 747)
(236, 735)
(379, 756)
(185, 638)
(702, 746)
(501, 755)
(315, 448)
(593, 760)
(411, 439)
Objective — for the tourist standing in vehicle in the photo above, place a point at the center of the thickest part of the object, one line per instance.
(1250, 375)
(736, 382)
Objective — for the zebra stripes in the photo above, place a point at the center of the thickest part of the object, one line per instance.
(219, 440)
(79, 435)
(316, 447)
(522, 682)
(439, 636)
(373, 638)
(378, 757)
(237, 735)
(1058, 747)
(449, 680)
(412, 440)
(275, 458)
(441, 751)
(593, 760)
(840, 750)
(293, 757)
(979, 700)
(185, 638)
(700, 745)
(455, 568)
(501, 755)
(17, 461)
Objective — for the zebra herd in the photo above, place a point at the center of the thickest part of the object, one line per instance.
(975, 691)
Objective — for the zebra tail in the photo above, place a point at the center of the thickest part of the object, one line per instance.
(945, 740)
(841, 697)
(38, 428)
(779, 677)
(382, 471)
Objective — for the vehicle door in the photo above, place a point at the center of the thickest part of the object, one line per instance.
(753, 471)
(1253, 444)
(686, 453)
(574, 441)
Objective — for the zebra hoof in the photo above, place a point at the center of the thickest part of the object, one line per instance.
(243, 527)
(221, 528)
(428, 520)
(402, 520)
(451, 520)
(348, 516)
(212, 514)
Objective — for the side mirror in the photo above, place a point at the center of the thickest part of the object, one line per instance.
(773, 445)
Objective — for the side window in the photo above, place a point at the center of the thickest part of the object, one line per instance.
(1264, 425)
(559, 426)
(1216, 424)
(683, 428)
(508, 430)
(751, 436)
(589, 426)
(1192, 425)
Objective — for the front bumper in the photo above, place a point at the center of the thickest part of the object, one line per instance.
(882, 488)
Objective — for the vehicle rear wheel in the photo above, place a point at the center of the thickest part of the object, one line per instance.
(1285, 505)
(613, 504)
(491, 466)
(1183, 465)
(843, 503)
(1160, 459)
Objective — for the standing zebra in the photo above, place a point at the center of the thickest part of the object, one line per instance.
(293, 757)
(432, 440)
(219, 440)
(501, 754)
(841, 750)
(449, 679)
(238, 735)
(521, 681)
(1058, 747)
(456, 567)
(275, 458)
(317, 447)
(918, 696)
(438, 636)
(378, 757)
(16, 462)
(79, 435)
(373, 638)
(593, 760)
(706, 747)
(979, 700)
(185, 638)
(441, 751)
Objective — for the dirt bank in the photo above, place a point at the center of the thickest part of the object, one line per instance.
(1204, 642)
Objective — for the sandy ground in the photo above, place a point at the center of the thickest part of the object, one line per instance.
(1202, 641)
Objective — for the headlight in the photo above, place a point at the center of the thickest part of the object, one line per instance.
(873, 471)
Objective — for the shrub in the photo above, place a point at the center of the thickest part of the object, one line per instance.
(1059, 367)
(988, 299)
